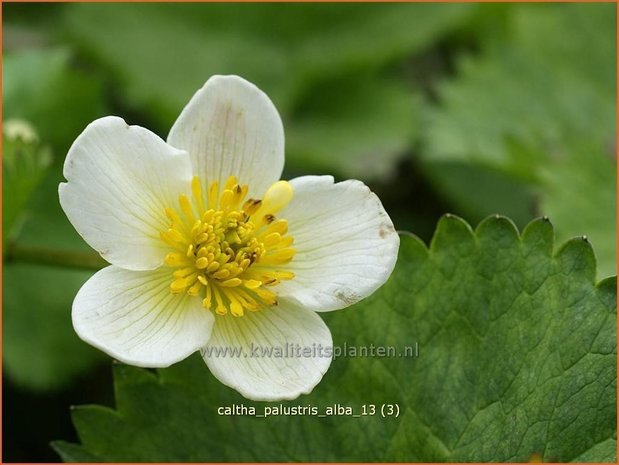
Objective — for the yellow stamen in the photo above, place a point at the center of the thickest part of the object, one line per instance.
(173, 216)
(280, 257)
(230, 182)
(185, 204)
(226, 200)
(251, 206)
(206, 303)
(266, 295)
(221, 274)
(178, 286)
(212, 267)
(231, 282)
(252, 283)
(221, 308)
(183, 272)
(224, 247)
(275, 199)
(175, 259)
(194, 290)
(172, 235)
(213, 194)
(285, 242)
(235, 307)
(196, 190)
(278, 226)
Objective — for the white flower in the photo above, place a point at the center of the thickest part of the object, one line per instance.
(198, 261)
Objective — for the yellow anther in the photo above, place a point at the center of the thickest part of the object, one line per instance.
(285, 275)
(175, 259)
(213, 266)
(235, 270)
(183, 272)
(207, 217)
(196, 228)
(231, 182)
(280, 257)
(231, 282)
(221, 308)
(271, 239)
(278, 226)
(221, 274)
(268, 296)
(226, 199)
(178, 286)
(194, 290)
(213, 194)
(277, 197)
(185, 204)
(206, 302)
(251, 206)
(173, 216)
(252, 283)
(246, 300)
(239, 194)
(217, 240)
(285, 242)
(236, 308)
(233, 237)
(172, 235)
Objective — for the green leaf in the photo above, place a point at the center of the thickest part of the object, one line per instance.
(73, 453)
(525, 108)
(475, 192)
(517, 356)
(304, 43)
(580, 195)
(40, 349)
(45, 88)
(321, 64)
(46, 225)
(531, 87)
(339, 130)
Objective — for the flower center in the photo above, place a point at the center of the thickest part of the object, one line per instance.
(227, 250)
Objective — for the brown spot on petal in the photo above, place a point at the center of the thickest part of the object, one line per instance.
(385, 230)
(347, 296)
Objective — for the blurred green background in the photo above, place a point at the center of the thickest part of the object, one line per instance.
(472, 109)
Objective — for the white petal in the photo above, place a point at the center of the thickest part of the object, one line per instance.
(132, 316)
(345, 241)
(284, 373)
(231, 128)
(120, 179)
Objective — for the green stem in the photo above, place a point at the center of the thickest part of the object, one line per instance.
(62, 258)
